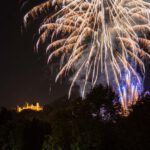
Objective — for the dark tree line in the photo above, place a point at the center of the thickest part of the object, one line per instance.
(78, 124)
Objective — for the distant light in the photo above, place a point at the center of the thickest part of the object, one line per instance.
(28, 106)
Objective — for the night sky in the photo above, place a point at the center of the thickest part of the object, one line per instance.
(24, 75)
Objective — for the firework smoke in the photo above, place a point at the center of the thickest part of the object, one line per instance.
(100, 41)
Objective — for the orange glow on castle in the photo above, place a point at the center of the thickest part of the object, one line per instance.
(27, 106)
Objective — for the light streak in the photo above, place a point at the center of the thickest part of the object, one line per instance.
(103, 41)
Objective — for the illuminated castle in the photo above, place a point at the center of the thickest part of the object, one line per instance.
(27, 106)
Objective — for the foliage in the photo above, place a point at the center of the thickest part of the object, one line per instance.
(71, 125)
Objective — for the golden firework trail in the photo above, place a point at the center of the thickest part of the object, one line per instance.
(102, 41)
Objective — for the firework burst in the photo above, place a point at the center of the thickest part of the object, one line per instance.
(101, 41)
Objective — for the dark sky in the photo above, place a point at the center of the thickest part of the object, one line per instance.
(23, 75)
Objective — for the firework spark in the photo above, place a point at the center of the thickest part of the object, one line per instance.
(101, 41)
